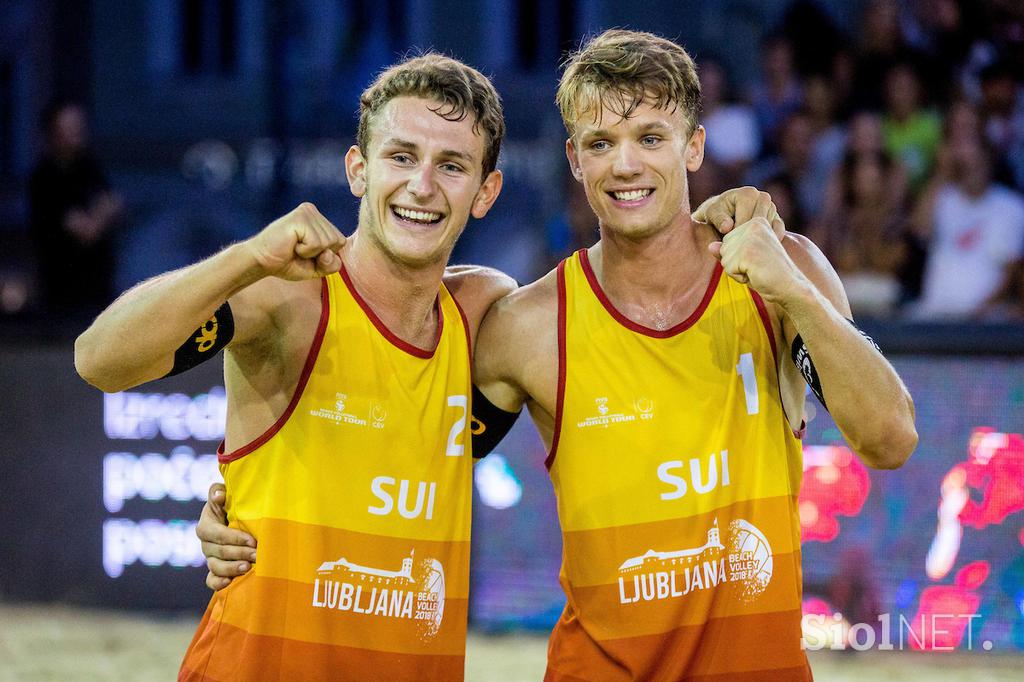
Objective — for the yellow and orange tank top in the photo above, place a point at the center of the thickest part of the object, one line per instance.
(677, 476)
(359, 498)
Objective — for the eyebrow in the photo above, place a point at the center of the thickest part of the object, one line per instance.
(412, 146)
(654, 126)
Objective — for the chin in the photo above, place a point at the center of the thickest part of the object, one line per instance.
(630, 230)
(418, 255)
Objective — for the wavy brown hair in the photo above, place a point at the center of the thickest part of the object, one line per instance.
(619, 70)
(458, 89)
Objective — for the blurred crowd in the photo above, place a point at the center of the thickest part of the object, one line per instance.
(898, 147)
(899, 152)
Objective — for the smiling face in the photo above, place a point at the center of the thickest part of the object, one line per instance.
(634, 169)
(419, 181)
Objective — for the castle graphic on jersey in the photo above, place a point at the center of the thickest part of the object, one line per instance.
(745, 563)
(415, 592)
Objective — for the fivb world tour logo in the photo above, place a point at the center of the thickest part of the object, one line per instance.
(744, 565)
(415, 592)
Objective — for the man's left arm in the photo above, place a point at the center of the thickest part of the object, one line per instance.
(861, 390)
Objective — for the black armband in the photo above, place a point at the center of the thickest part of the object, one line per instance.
(489, 425)
(802, 360)
(205, 341)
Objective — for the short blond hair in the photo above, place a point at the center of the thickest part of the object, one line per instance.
(619, 70)
(459, 90)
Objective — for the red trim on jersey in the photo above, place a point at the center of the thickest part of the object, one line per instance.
(307, 369)
(387, 333)
(465, 327)
(716, 275)
(762, 312)
(469, 347)
(560, 394)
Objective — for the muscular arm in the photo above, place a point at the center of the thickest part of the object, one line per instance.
(134, 340)
(865, 396)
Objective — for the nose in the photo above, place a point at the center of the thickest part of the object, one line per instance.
(627, 162)
(421, 184)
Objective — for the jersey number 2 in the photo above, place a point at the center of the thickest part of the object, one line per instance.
(745, 369)
(457, 449)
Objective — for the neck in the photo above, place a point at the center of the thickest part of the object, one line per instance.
(402, 296)
(658, 271)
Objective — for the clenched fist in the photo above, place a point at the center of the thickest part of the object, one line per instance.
(736, 206)
(299, 245)
(752, 254)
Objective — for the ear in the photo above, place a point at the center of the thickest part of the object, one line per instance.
(574, 160)
(355, 171)
(695, 150)
(487, 194)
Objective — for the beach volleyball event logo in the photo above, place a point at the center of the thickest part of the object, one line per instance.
(415, 592)
(749, 559)
(744, 562)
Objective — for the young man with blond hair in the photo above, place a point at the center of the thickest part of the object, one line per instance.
(655, 366)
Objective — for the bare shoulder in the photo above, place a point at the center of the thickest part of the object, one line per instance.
(535, 304)
(476, 288)
(520, 325)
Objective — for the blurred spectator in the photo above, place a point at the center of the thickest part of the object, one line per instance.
(1008, 304)
(794, 160)
(976, 231)
(1003, 113)
(912, 133)
(881, 43)
(829, 137)
(815, 38)
(779, 93)
(783, 193)
(733, 140)
(863, 233)
(72, 216)
(943, 31)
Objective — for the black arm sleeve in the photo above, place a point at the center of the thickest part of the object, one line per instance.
(490, 424)
(205, 341)
(802, 360)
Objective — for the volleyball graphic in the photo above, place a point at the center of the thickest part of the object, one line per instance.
(430, 599)
(750, 559)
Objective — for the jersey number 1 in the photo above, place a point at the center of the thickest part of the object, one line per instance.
(745, 369)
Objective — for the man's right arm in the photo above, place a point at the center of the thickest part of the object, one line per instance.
(135, 339)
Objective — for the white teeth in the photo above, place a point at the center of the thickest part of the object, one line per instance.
(632, 195)
(417, 216)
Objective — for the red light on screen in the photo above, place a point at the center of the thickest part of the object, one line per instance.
(835, 484)
(946, 611)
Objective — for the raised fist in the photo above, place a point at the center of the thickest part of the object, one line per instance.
(299, 245)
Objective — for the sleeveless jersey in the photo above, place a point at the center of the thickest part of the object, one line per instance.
(677, 476)
(359, 497)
